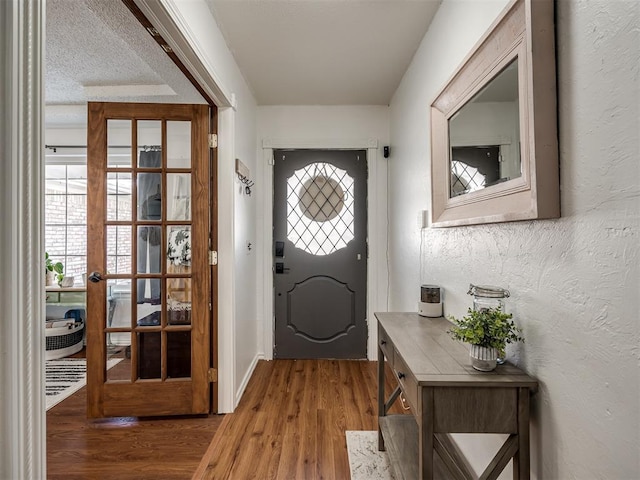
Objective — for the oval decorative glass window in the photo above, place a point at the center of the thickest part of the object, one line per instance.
(320, 208)
(321, 198)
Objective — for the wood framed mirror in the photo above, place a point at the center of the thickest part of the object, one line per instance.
(494, 147)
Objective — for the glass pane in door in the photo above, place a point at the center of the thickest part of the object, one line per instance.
(179, 301)
(118, 343)
(178, 354)
(148, 306)
(178, 144)
(119, 196)
(118, 361)
(149, 354)
(179, 196)
(149, 196)
(179, 249)
(149, 143)
(118, 249)
(149, 241)
(118, 143)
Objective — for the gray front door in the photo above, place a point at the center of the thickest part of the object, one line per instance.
(320, 253)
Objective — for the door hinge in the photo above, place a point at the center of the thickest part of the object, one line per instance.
(213, 140)
(212, 375)
(213, 257)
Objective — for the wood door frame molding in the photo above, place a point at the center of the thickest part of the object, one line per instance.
(376, 262)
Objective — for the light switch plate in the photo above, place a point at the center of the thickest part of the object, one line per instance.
(424, 219)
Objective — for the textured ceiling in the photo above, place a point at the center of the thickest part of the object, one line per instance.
(292, 52)
(323, 52)
(93, 46)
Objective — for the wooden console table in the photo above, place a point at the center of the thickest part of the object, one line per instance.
(446, 395)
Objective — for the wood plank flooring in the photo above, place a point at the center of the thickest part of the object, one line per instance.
(123, 448)
(292, 420)
(290, 425)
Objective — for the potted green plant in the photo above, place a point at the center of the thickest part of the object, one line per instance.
(53, 270)
(488, 331)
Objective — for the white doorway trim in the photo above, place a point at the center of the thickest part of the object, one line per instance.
(22, 344)
(167, 18)
(226, 261)
(174, 29)
(377, 277)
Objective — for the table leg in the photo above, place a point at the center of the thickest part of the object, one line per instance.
(425, 436)
(521, 462)
(381, 408)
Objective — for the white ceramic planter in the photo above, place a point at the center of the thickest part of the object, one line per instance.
(483, 358)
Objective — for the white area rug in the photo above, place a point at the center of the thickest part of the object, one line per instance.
(66, 376)
(365, 461)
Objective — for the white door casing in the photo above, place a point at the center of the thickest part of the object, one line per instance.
(22, 345)
(377, 291)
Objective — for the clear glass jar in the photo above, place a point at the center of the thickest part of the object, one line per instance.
(487, 296)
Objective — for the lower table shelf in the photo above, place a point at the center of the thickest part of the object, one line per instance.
(400, 433)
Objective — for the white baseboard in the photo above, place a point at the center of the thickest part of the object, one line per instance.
(246, 378)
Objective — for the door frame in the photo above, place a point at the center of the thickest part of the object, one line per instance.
(377, 278)
(22, 147)
(22, 344)
(174, 28)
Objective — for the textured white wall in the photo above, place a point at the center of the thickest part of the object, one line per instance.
(575, 280)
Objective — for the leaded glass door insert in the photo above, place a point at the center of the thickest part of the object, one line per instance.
(320, 208)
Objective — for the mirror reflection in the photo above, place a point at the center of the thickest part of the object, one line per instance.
(484, 136)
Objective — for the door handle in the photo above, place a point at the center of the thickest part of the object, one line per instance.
(280, 268)
(95, 277)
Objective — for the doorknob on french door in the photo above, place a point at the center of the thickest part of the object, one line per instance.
(95, 277)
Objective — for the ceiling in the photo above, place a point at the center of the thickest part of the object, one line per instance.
(291, 52)
(96, 50)
(323, 52)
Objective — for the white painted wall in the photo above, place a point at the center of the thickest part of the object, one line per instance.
(237, 325)
(327, 127)
(325, 123)
(574, 281)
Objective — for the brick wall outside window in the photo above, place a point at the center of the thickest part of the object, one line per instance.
(66, 218)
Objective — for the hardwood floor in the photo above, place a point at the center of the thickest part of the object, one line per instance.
(292, 420)
(290, 425)
(123, 448)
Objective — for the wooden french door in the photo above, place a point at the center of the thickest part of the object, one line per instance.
(148, 289)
